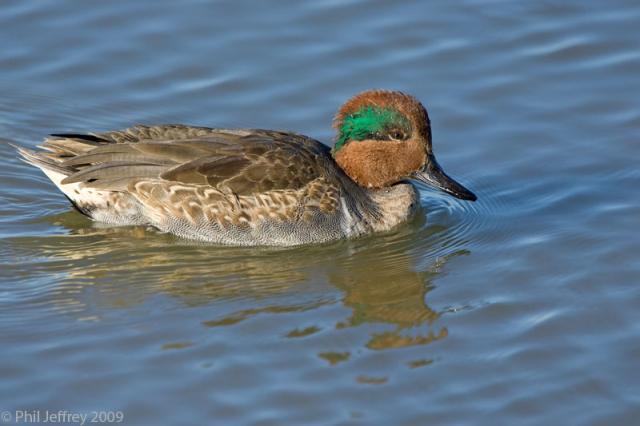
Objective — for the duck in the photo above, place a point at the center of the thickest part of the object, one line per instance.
(255, 187)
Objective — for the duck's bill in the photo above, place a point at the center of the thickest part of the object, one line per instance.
(433, 175)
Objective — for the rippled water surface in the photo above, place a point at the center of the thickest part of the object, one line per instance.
(522, 308)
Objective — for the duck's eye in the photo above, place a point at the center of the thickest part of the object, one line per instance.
(396, 135)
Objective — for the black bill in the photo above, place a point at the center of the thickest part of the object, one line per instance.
(433, 175)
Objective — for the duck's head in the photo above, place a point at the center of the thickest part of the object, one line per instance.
(384, 137)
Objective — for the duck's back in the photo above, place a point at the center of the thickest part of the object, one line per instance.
(240, 187)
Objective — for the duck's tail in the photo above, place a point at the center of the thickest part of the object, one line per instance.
(44, 160)
(51, 161)
(55, 151)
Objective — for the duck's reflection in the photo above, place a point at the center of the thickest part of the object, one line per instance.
(383, 280)
(388, 289)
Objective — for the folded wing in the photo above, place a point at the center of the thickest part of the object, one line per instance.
(238, 162)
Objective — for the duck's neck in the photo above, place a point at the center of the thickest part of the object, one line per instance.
(394, 205)
(376, 209)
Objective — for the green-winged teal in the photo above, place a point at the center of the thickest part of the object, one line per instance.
(255, 187)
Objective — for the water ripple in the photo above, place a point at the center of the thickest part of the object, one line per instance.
(521, 306)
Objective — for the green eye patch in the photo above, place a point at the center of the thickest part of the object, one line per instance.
(370, 123)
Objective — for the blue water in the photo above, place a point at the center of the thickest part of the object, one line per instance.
(521, 308)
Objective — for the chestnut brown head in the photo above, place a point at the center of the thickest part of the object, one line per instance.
(384, 137)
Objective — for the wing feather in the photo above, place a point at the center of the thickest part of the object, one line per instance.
(114, 170)
(242, 162)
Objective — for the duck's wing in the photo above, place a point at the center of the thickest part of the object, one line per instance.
(241, 162)
(142, 133)
(58, 148)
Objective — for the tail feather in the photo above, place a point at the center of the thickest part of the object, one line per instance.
(52, 164)
(107, 201)
(43, 161)
(80, 136)
(70, 145)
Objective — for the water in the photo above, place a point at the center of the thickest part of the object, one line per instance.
(521, 308)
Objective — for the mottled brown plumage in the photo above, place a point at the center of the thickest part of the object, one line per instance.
(242, 187)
